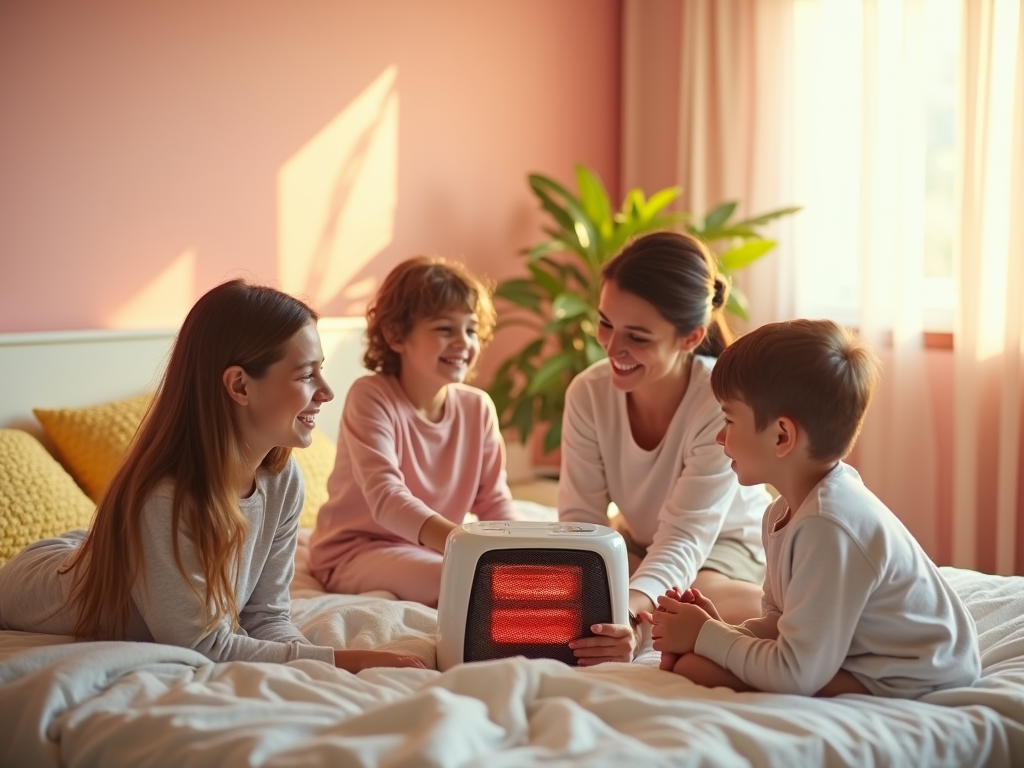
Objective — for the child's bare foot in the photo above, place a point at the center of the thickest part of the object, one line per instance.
(668, 661)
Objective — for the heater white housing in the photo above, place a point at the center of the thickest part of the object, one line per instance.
(526, 589)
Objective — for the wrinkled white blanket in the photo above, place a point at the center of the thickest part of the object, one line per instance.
(133, 704)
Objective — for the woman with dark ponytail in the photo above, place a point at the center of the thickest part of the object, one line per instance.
(639, 430)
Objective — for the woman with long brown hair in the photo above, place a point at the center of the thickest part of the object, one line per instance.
(193, 542)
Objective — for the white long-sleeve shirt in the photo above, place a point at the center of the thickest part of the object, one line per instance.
(165, 609)
(848, 587)
(676, 499)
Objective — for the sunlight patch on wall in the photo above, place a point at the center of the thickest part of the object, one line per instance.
(164, 301)
(361, 292)
(337, 196)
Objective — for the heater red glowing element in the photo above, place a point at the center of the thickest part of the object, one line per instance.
(534, 625)
(536, 582)
(536, 604)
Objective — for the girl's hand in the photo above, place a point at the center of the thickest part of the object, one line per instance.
(614, 642)
(356, 661)
(669, 658)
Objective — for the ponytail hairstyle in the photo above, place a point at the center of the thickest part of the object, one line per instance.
(417, 289)
(188, 437)
(677, 275)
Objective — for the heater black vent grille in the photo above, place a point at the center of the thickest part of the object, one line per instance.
(532, 602)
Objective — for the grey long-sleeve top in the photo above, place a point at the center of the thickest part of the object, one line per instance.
(165, 608)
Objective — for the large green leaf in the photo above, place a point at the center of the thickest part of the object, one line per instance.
(719, 216)
(665, 221)
(568, 305)
(567, 224)
(731, 232)
(521, 292)
(593, 350)
(595, 202)
(546, 248)
(747, 253)
(560, 326)
(659, 201)
(551, 284)
(527, 357)
(522, 419)
(550, 373)
(632, 206)
(571, 270)
(552, 403)
(501, 393)
(572, 217)
(553, 437)
(764, 218)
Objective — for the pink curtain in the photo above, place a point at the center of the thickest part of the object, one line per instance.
(821, 103)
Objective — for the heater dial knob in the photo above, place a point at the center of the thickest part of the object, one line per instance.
(573, 528)
(494, 529)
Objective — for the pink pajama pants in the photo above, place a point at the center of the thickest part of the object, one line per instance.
(410, 571)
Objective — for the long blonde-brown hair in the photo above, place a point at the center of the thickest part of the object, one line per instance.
(188, 437)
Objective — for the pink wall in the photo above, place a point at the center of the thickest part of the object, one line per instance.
(146, 147)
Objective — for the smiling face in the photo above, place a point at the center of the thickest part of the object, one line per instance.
(439, 350)
(642, 346)
(751, 451)
(283, 404)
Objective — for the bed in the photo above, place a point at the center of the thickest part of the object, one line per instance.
(132, 704)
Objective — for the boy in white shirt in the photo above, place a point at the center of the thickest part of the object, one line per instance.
(851, 604)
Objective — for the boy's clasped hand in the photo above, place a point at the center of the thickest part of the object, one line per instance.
(677, 622)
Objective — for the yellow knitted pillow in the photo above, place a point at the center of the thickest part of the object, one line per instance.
(38, 499)
(316, 463)
(91, 441)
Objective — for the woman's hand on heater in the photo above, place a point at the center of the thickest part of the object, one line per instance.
(611, 642)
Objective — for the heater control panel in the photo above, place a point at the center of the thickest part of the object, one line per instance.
(532, 530)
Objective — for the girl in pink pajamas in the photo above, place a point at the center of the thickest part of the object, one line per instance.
(418, 449)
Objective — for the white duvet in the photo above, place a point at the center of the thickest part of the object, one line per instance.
(133, 704)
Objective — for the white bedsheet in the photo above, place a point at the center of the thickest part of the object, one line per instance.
(133, 704)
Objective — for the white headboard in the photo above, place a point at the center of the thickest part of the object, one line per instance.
(71, 369)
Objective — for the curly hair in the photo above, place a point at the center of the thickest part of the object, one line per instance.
(420, 288)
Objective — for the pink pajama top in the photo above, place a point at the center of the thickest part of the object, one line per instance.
(395, 469)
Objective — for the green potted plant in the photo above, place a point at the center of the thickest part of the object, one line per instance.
(557, 302)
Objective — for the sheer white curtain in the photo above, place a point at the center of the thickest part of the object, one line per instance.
(989, 385)
(837, 106)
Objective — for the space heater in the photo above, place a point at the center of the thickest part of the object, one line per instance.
(527, 589)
